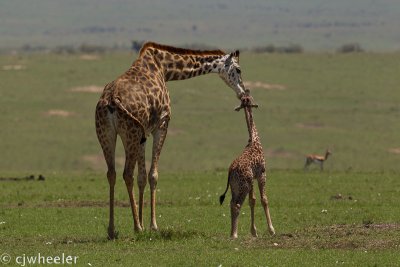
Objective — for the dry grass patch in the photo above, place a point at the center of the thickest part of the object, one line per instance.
(58, 113)
(395, 150)
(97, 161)
(279, 153)
(175, 131)
(13, 67)
(88, 89)
(89, 57)
(312, 125)
(262, 85)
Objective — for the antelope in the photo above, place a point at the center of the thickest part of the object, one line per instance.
(317, 159)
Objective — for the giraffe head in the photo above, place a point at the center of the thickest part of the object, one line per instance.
(247, 101)
(231, 74)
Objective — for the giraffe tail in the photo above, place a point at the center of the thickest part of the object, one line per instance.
(222, 197)
(117, 102)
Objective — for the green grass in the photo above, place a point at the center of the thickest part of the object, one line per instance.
(345, 102)
(68, 214)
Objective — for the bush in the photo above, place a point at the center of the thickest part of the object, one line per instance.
(350, 48)
(290, 49)
(65, 49)
(91, 49)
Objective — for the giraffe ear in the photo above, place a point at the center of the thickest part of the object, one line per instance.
(235, 55)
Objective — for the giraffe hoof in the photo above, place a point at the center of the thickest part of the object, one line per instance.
(272, 230)
(254, 232)
(112, 235)
(138, 228)
(154, 228)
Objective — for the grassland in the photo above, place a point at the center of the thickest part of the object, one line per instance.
(348, 103)
(347, 215)
(69, 214)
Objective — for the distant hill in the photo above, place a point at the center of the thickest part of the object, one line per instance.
(317, 25)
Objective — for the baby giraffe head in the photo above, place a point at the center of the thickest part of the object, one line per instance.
(247, 101)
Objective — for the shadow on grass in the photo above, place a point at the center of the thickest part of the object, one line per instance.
(145, 236)
(167, 235)
(80, 204)
(83, 240)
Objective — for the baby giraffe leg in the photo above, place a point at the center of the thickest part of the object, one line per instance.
(252, 202)
(264, 202)
(235, 209)
(236, 204)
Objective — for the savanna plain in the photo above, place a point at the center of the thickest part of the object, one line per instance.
(347, 215)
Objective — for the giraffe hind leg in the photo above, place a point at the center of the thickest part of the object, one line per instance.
(236, 203)
(252, 203)
(130, 135)
(142, 180)
(107, 137)
(130, 161)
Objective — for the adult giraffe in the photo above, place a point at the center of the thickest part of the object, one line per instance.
(137, 104)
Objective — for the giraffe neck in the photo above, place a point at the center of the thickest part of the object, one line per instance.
(180, 64)
(251, 127)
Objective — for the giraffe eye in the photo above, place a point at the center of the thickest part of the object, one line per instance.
(238, 71)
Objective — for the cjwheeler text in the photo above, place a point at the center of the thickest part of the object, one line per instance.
(62, 259)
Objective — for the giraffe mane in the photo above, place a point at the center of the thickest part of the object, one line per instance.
(180, 51)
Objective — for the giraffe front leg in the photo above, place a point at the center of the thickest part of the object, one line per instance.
(264, 202)
(158, 141)
(142, 181)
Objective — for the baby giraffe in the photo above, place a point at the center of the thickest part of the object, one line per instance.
(248, 166)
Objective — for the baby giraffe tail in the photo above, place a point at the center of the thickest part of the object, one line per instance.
(222, 197)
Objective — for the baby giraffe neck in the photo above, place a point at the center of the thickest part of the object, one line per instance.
(251, 127)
